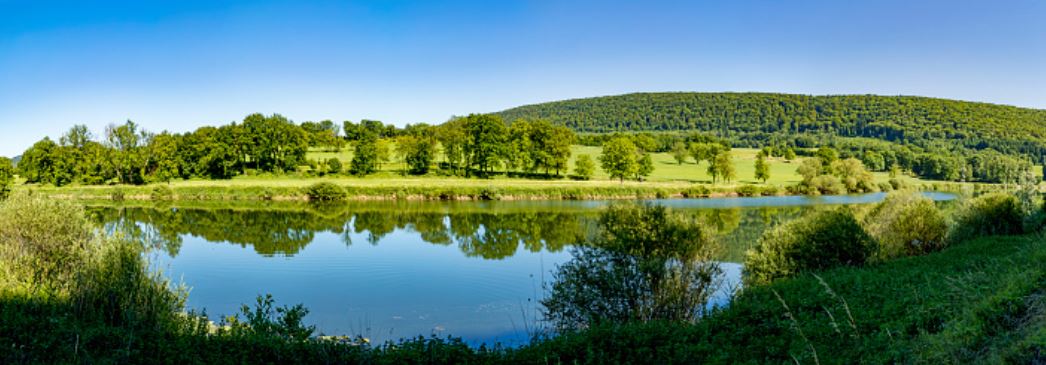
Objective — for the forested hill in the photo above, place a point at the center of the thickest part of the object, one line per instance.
(763, 116)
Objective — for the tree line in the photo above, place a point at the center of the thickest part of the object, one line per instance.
(475, 145)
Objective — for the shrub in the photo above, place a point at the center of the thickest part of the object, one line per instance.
(747, 190)
(898, 184)
(42, 240)
(647, 263)
(992, 214)
(116, 194)
(325, 191)
(162, 192)
(771, 190)
(697, 191)
(907, 224)
(489, 193)
(827, 185)
(334, 166)
(885, 186)
(817, 241)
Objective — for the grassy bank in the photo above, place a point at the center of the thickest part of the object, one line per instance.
(391, 187)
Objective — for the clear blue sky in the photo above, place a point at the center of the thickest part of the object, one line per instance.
(176, 65)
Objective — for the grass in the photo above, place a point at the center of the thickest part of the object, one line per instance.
(983, 301)
(669, 179)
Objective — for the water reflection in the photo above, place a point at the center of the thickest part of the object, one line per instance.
(487, 234)
(400, 269)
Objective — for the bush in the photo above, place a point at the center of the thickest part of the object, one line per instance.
(992, 214)
(490, 193)
(771, 190)
(698, 191)
(646, 263)
(325, 191)
(827, 185)
(747, 190)
(898, 184)
(885, 186)
(907, 224)
(817, 241)
(334, 166)
(162, 192)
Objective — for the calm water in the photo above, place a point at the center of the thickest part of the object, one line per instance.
(389, 270)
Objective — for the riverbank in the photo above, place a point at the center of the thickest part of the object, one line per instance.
(433, 188)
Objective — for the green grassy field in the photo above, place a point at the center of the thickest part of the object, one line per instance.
(666, 169)
(669, 179)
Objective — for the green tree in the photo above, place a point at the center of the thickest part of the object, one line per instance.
(725, 165)
(619, 158)
(853, 175)
(485, 141)
(163, 157)
(451, 137)
(46, 163)
(417, 152)
(895, 171)
(520, 152)
(334, 165)
(584, 167)
(645, 166)
(762, 168)
(126, 158)
(789, 154)
(680, 152)
(811, 168)
(7, 176)
(365, 158)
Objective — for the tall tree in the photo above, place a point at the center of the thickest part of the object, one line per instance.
(680, 152)
(619, 158)
(724, 166)
(7, 176)
(417, 152)
(762, 169)
(645, 165)
(485, 141)
(126, 159)
(163, 152)
(584, 167)
(365, 157)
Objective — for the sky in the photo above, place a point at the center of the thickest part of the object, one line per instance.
(180, 64)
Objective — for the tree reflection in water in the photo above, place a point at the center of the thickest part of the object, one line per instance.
(486, 234)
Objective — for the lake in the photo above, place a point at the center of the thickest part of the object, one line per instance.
(389, 270)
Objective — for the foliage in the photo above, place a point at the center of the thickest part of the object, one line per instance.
(647, 263)
(762, 169)
(991, 214)
(7, 177)
(754, 119)
(484, 142)
(584, 167)
(907, 224)
(680, 152)
(854, 177)
(645, 166)
(325, 191)
(333, 166)
(619, 158)
(818, 241)
(748, 190)
(418, 152)
(365, 158)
